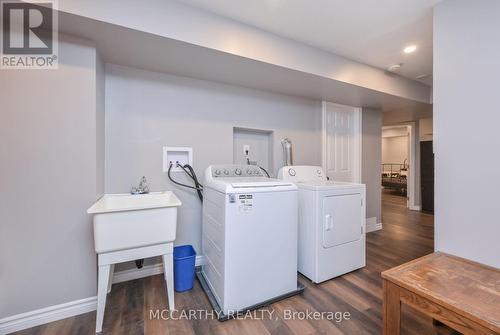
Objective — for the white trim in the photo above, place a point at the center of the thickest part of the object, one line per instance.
(358, 120)
(413, 148)
(48, 314)
(323, 136)
(358, 136)
(62, 311)
(412, 168)
(372, 225)
(135, 273)
(146, 271)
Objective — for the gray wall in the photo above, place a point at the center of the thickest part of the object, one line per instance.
(100, 123)
(466, 72)
(48, 179)
(146, 111)
(371, 161)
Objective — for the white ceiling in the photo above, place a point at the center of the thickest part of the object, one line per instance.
(373, 32)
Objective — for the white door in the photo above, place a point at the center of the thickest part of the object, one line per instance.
(342, 142)
(341, 222)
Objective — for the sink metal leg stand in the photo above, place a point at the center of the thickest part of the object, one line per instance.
(107, 260)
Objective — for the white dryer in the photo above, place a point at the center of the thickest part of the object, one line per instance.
(249, 237)
(331, 223)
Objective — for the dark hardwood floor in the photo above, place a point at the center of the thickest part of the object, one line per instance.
(406, 236)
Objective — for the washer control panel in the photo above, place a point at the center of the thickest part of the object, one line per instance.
(221, 171)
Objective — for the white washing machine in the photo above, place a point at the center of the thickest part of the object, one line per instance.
(249, 237)
(331, 223)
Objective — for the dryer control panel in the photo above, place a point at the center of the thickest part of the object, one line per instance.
(302, 173)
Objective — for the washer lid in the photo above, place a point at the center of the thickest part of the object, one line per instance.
(260, 184)
(328, 185)
(252, 184)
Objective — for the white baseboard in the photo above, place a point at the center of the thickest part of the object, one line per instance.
(57, 312)
(372, 225)
(415, 208)
(135, 273)
(48, 314)
(146, 271)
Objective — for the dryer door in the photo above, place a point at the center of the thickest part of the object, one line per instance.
(341, 219)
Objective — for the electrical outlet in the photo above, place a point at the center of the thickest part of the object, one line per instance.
(246, 149)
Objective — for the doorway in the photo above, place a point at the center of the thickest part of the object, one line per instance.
(398, 162)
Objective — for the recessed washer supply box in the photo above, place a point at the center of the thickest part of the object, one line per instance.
(183, 155)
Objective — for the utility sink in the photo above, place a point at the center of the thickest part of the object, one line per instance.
(125, 221)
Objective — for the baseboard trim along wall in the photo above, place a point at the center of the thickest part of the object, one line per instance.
(48, 314)
(415, 208)
(372, 225)
(146, 271)
(62, 311)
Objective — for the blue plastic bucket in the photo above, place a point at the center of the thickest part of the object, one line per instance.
(184, 267)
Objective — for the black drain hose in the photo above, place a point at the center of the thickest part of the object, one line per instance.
(188, 169)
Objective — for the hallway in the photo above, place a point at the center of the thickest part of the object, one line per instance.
(406, 234)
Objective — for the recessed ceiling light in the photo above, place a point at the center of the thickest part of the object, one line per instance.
(409, 49)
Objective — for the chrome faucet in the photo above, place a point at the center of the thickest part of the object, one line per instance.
(143, 187)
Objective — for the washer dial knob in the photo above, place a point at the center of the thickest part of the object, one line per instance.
(292, 172)
(237, 172)
(217, 172)
(226, 172)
